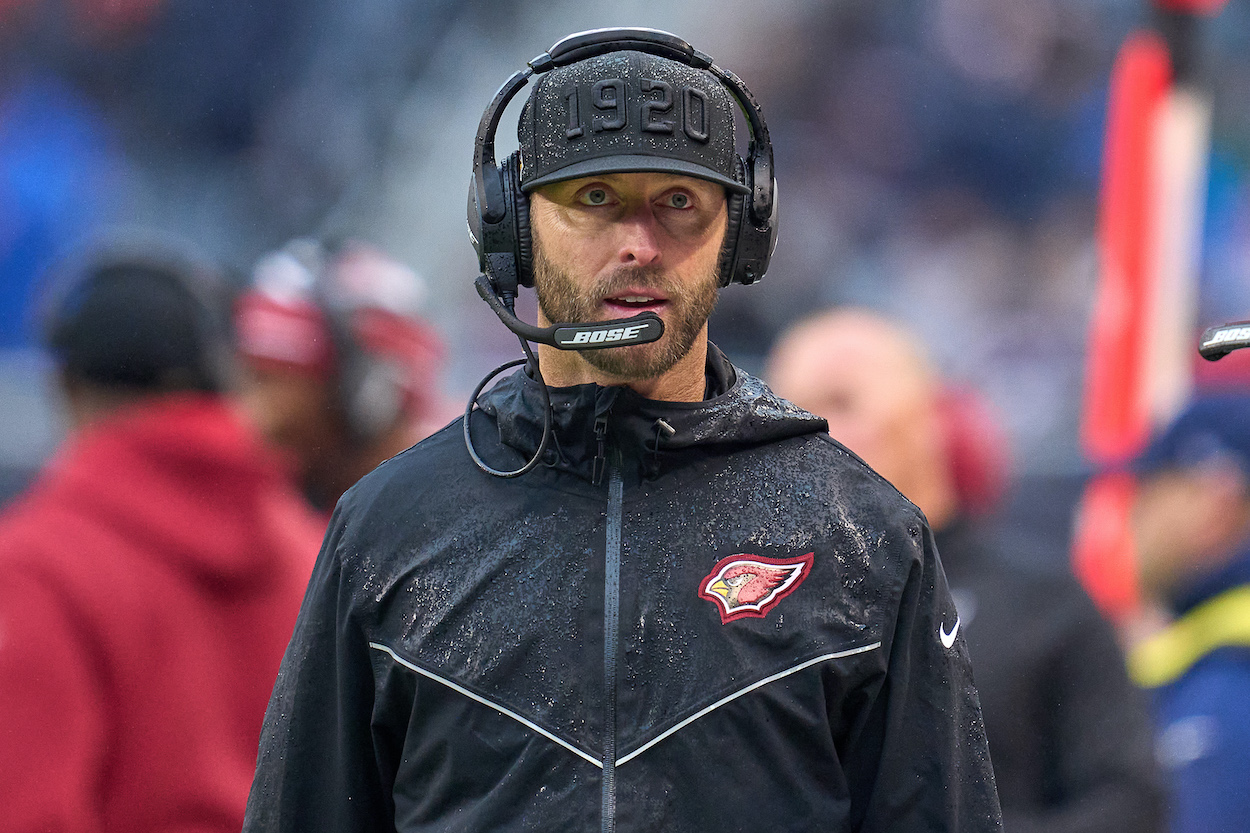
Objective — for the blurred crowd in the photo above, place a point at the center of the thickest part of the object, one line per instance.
(941, 159)
(298, 171)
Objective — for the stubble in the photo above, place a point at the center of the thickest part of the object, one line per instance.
(562, 299)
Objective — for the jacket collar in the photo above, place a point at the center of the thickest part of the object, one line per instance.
(646, 437)
(1236, 572)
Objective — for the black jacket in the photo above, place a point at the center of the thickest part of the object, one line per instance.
(1070, 734)
(739, 628)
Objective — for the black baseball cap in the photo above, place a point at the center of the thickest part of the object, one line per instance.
(628, 111)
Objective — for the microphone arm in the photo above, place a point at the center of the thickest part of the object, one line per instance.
(619, 332)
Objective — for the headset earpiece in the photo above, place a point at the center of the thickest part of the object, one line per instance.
(756, 240)
(749, 242)
(497, 243)
(504, 247)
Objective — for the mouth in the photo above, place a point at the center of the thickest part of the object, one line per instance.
(624, 304)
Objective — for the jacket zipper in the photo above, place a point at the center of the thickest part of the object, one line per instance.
(601, 440)
(611, 631)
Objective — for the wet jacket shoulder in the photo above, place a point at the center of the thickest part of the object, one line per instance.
(690, 616)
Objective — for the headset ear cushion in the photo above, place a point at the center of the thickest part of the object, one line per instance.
(729, 249)
(521, 219)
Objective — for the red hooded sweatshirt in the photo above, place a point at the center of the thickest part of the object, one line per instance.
(149, 582)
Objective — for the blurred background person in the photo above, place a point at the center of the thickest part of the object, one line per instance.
(340, 371)
(152, 572)
(1191, 524)
(1069, 735)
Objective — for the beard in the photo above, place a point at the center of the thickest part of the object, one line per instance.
(562, 299)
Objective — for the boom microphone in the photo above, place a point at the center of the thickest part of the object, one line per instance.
(1218, 342)
(619, 332)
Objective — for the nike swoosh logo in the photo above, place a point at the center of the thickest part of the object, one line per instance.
(948, 639)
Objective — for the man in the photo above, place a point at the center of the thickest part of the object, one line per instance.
(1069, 736)
(151, 574)
(339, 369)
(696, 613)
(1191, 525)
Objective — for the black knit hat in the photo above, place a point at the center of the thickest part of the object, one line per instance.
(628, 111)
(138, 322)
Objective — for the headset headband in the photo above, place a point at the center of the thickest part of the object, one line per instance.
(583, 45)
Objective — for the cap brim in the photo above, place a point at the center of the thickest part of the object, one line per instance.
(635, 163)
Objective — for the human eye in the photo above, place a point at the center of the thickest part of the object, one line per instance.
(595, 195)
(679, 200)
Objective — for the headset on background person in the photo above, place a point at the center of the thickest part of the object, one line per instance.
(305, 309)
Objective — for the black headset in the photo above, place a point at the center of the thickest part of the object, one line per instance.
(499, 223)
(498, 211)
(368, 392)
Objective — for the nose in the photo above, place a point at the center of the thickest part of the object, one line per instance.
(638, 238)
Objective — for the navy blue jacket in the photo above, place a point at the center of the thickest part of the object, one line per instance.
(1199, 673)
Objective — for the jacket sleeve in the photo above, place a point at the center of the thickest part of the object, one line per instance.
(52, 720)
(924, 738)
(1105, 776)
(316, 769)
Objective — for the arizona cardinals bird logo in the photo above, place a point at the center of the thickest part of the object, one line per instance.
(751, 585)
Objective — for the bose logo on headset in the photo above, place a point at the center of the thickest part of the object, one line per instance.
(602, 336)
